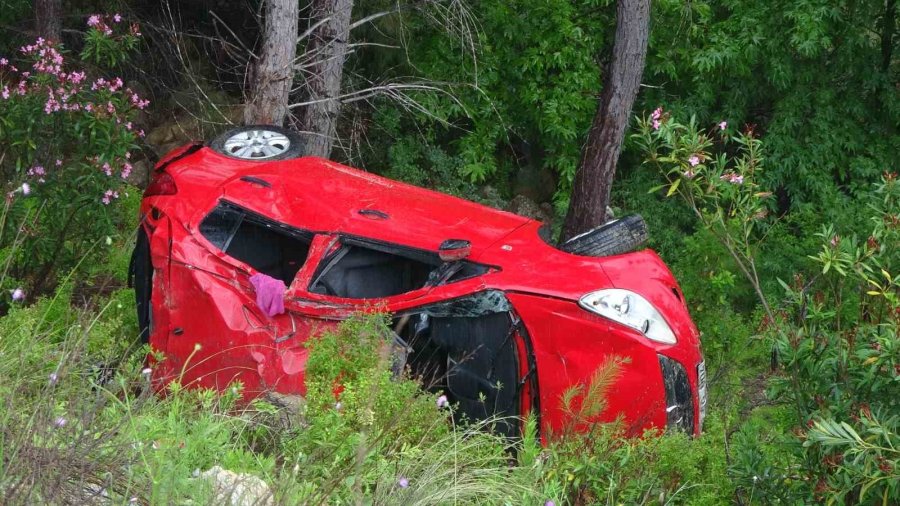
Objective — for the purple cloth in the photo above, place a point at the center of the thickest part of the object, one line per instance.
(269, 293)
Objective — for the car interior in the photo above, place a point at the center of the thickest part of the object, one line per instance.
(464, 348)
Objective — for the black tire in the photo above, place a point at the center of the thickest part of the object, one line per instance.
(612, 238)
(293, 149)
(142, 281)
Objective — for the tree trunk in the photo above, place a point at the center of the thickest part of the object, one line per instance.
(328, 49)
(273, 75)
(47, 19)
(593, 180)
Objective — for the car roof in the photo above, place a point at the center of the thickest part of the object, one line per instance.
(324, 196)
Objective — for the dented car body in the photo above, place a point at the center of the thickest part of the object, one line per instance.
(503, 326)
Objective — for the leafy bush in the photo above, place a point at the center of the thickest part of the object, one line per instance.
(67, 142)
(834, 333)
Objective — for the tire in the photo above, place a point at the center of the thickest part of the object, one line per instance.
(259, 143)
(141, 271)
(612, 238)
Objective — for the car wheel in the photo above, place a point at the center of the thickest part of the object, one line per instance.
(142, 281)
(612, 238)
(259, 143)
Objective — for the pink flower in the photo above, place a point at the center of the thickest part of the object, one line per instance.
(442, 402)
(5, 93)
(694, 161)
(723, 125)
(117, 18)
(656, 124)
(657, 113)
(689, 174)
(403, 482)
(18, 294)
(108, 196)
(58, 162)
(94, 20)
(60, 422)
(732, 177)
(3, 62)
(25, 189)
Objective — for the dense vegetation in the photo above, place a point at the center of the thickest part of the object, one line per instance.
(764, 157)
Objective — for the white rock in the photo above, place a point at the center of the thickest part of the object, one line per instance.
(237, 489)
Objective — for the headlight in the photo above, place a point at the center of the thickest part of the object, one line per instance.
(629, 308)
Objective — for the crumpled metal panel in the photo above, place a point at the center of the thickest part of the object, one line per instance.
(206, 323)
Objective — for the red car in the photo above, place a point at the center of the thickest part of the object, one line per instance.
(489, 312)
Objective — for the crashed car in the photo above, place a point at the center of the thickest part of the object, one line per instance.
(246, 251)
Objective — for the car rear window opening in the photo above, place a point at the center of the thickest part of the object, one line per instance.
(269, 247)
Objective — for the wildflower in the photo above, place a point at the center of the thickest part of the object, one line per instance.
(108, 196)
(549, 503)
(3, 62)
(835, 241)
(18, 294)
(133, 500)
(126, 170)
(94, 20)
(723, 125)
(147, 371)
(5, 93)
(338, 406)
(53, 378)
(117, 18)
(732, 177)
(656, 124)
(657, 113)
(442, 402)
(108, 241)
(694, 160)
(26, 189)
(689, 174)
(403, 482)
(60, 422)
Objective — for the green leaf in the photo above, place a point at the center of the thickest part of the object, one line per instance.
(674, 188)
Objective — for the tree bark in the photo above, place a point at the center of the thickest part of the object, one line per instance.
(594, 177)
(47, 19)
(273, 75)
(328, 49)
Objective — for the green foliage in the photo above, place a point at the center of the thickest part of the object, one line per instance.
(109, 40)
(67, 143)
(835, 332)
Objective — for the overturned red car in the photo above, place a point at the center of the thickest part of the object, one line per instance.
(493, 315)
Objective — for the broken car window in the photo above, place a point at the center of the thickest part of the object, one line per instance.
(269, 247)
(359, 272)
(363, 269)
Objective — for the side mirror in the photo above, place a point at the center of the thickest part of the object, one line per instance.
(452, 250)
